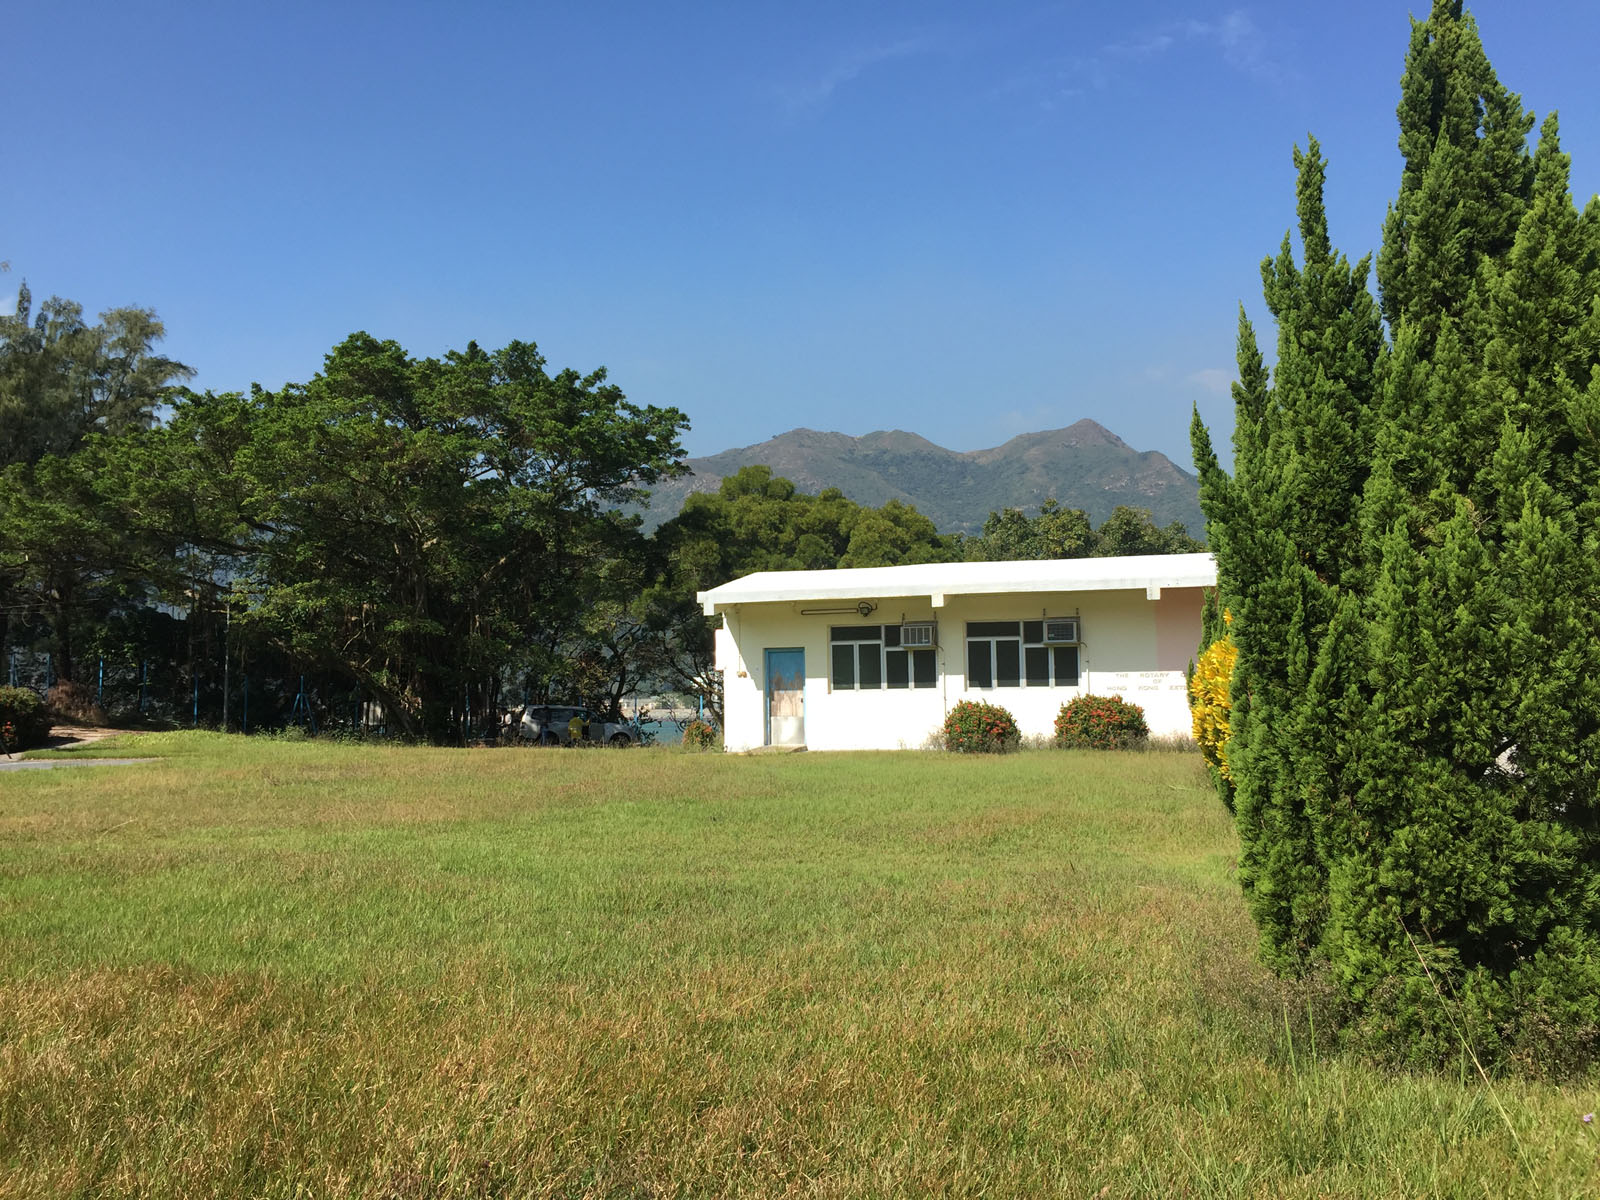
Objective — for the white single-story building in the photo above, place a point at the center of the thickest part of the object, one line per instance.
(872, 658)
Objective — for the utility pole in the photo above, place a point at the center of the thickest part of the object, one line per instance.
(227, 626)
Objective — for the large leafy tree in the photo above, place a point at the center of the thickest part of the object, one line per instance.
(1408, 548)
(428, 528)
(62, 379)
(70, 394)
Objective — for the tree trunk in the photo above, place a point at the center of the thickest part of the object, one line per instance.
(61, 622)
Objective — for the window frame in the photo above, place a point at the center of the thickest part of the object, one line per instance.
(887, 643)
(991, 634)
(1026, 636)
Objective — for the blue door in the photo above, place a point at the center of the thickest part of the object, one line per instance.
(786, 697)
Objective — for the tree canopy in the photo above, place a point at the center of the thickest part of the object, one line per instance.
(1057, 532)
(428, 527)
(69, 560)
(62, 379)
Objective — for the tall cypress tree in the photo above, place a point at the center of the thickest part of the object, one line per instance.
(1466, 175)
(1463, 845)
(1285, 533)
(1409, 546)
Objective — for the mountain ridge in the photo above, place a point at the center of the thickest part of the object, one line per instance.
(1082, 465)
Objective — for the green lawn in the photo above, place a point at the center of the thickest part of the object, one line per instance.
(260, 968)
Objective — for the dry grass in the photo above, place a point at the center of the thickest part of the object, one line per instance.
(309, 970)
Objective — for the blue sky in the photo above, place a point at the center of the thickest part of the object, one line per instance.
(964, 220)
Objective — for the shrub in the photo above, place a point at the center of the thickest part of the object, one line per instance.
(24, 714)
(1101, 723)
(976, 728)
(1211, 707)
(699, 735)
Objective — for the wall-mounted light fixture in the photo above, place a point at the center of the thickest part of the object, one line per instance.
(865, 609)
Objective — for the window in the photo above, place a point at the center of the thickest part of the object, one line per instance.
(871, 657)
(1015, 654)
(994, 654)
(857, 656)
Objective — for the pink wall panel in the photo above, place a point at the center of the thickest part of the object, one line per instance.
(1178, 627)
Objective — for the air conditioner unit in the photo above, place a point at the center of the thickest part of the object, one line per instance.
(918, 633)
(1061, 631)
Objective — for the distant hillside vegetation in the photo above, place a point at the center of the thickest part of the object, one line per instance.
(1083, 466)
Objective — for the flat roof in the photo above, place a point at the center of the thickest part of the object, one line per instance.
(1147, 572)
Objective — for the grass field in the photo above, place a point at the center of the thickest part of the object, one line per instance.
(259, 968)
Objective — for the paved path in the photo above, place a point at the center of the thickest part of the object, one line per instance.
(42, 764)
(63, 736)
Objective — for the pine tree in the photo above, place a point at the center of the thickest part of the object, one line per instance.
(1409, 545)
(1482, 643)
(1285, 530)
(1466, 176)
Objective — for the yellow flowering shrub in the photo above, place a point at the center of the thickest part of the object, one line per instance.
(1209, 703)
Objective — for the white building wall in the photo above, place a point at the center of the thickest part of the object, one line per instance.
(743, 723)
(1132, 646)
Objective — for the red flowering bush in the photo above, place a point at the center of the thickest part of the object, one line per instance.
(974, 728)
(699, 735)
(1101, 723)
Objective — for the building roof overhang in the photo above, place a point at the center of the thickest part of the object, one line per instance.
(1149, 573)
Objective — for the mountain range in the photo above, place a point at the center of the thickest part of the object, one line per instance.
(1083, 466)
